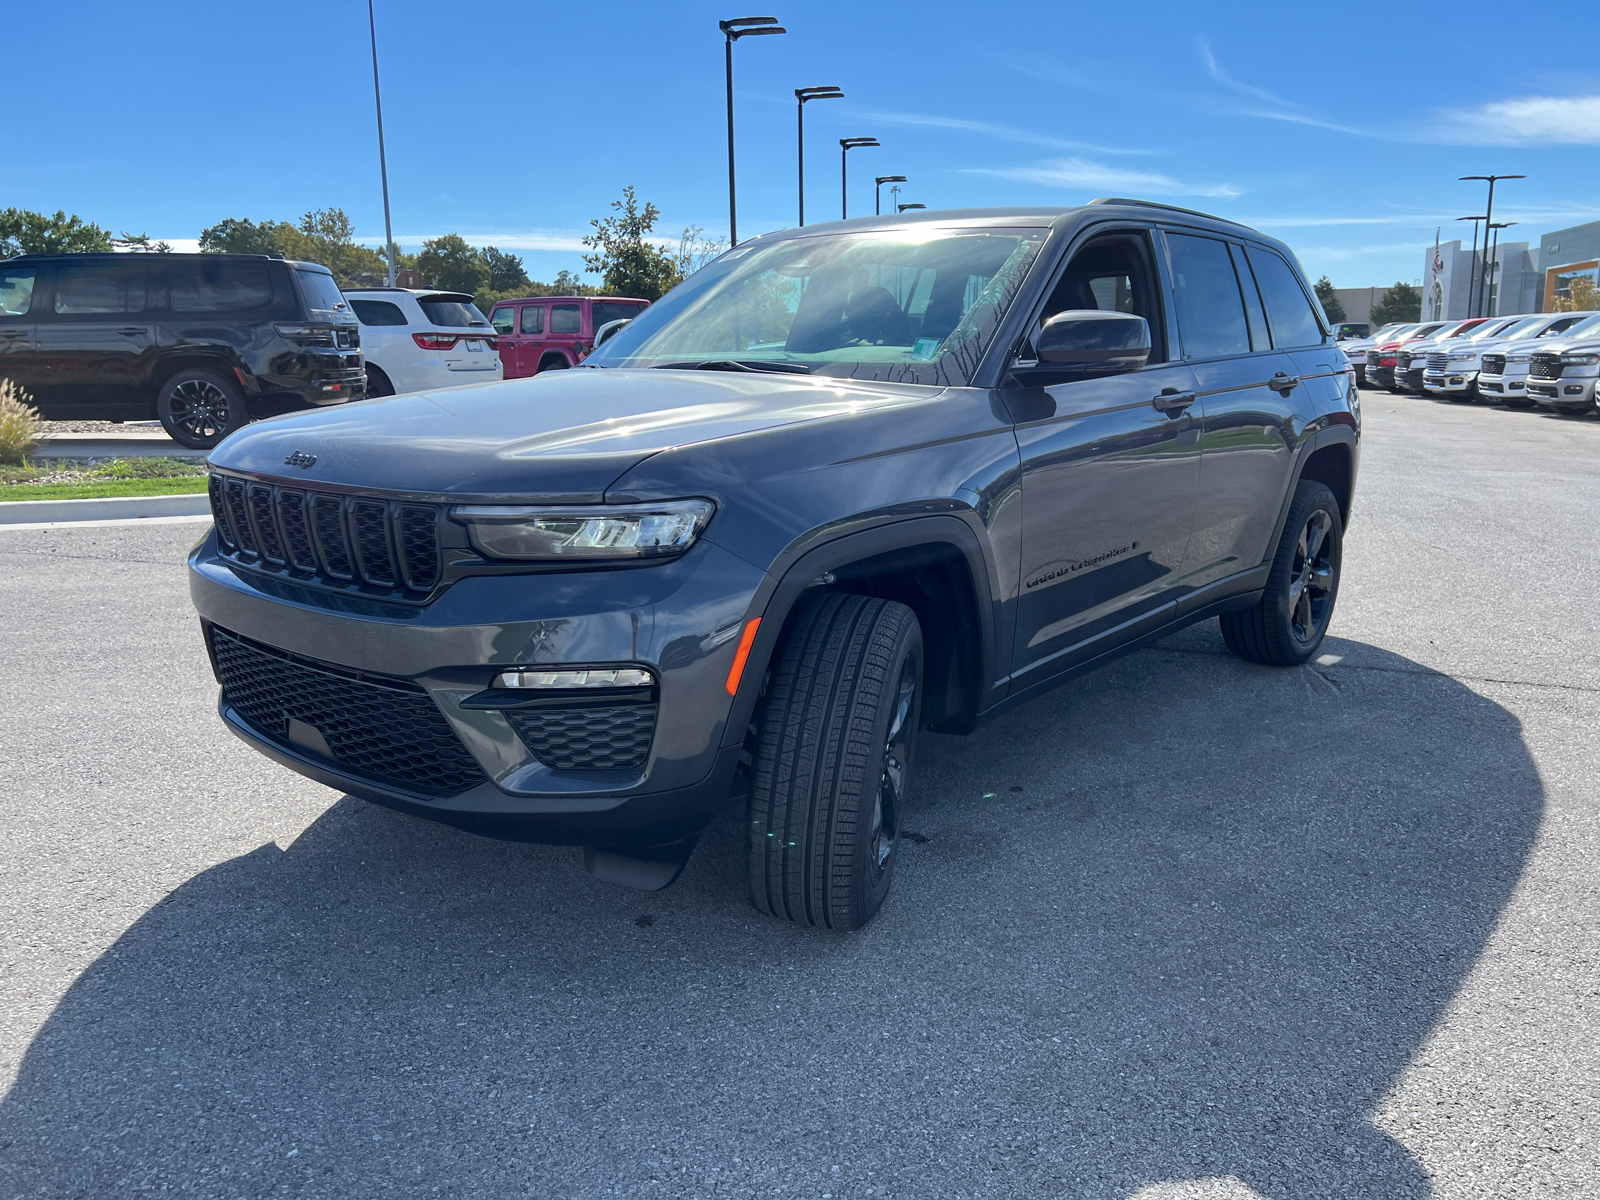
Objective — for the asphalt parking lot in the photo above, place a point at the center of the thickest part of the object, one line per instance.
(1187, 928)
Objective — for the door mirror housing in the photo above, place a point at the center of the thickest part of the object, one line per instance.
(1092, 341)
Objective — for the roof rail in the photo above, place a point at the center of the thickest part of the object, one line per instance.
(1193, 212)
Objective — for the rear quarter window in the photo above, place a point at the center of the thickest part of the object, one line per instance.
(321, 293)
(378, 312)
(604, 311)
(219, 286)
(566, 318)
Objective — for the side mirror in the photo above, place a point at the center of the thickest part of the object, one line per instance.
(608, 331)
(1091, 341)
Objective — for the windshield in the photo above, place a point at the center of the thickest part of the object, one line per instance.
(1494, 329)
(1524, 329)
(1584, 327)
(916, 305)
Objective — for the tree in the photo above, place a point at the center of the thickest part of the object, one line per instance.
(25, 232)
(627, 264)
(449, 262)
(1330, 300)
(323, 235)
(239, 236)
(506, 273)
(1402, 302)
(695, 250)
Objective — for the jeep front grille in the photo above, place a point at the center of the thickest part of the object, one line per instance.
(386, 730)
(337, 541)
(1545, 366)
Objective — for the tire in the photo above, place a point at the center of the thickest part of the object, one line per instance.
(553, 362)
(833, 754)
(198, 409)
(378, 383)
(1288, 624)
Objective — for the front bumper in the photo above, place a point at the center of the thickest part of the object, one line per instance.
(1410, 380)
(681, 619)
(1503, 385)
(1449, 381)
(1563, 393)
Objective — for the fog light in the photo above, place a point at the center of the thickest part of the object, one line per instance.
(1573, 389)
(1456, 381)
(581, 677)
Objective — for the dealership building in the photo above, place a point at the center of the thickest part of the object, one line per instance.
(1523, 278)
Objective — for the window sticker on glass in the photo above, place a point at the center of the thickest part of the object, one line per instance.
(923, 349)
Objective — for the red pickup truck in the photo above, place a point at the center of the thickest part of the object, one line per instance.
(551, 333)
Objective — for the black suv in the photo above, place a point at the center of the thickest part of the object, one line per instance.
(201, 341)
(843, 484)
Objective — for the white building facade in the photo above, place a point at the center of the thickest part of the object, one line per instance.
(1451, 284)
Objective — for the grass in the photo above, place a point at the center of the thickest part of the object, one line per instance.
(120, 477)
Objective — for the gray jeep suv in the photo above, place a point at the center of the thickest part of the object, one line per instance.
(846, 483)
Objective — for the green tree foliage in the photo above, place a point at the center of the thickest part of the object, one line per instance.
(449, 262)
(1402, 302)
(626, 262)
(324, 236)
(506, 273)
(24, 232)
(1331, 303)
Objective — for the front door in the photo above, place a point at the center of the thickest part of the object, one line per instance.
(530, 339)
(97, 338)
(1108, 478)
(19, 357)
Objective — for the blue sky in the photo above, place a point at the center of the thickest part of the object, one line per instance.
(1339, 128)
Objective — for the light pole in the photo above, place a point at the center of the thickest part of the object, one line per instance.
(1471, 279)
(905, 207)
(845, 146)
(877, 194)
(733, 29)
(383, 162)
(802, 95)
(1494, 262)
(1488, 216)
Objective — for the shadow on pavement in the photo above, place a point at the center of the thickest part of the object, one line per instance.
(1186, 919)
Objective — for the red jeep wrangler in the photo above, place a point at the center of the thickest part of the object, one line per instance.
(551, 333)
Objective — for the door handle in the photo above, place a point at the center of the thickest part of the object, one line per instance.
(12, 335)
(1283, 383)
(1172, 402)
(132, 331)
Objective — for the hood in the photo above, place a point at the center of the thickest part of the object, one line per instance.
(1582, 345)
(560, 437)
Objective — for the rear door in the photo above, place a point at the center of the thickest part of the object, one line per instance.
(19, 352)
(97, 340)
(566, 329)
(530, 338)
(1243, 415)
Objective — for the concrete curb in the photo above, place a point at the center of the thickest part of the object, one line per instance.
(99, 445)
(31, 512)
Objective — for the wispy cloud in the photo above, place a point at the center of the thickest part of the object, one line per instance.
(1525, 121)
(985, 128)
(1265, 104)
(1093, 176)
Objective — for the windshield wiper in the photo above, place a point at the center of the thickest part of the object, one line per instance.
(743, 364)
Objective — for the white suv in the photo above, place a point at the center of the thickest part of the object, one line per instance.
(416, 340)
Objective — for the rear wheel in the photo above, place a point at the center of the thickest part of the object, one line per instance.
(833, 759)
(553, 362)
(378, 383)
(1288, 624)
(198, 409)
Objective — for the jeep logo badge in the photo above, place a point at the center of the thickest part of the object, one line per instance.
(300, 459)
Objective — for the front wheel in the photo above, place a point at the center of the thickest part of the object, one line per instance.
(833, 759)
(198, 409)
(1288, 624)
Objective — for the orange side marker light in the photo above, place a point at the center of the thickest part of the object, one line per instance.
(746, 640)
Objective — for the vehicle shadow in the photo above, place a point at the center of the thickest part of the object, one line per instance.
(1185, 919)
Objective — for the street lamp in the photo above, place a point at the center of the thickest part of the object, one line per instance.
(383, 162)
(802, 95)
(877, 195)
(904, 207)
(1471, 279)
(733, 29)
(1488, 214)
(845, 146)
(1494, 260)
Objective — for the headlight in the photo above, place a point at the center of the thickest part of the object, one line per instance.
(1468, 357)
(592, 533)
(1579, 360)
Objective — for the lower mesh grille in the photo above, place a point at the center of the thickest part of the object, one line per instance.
(383, 730)
(587, 739)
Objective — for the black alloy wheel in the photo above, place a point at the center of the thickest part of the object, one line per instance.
(832, 761)
(1287, 625)
(199, 409)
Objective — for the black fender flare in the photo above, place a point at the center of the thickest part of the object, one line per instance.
(784, 585)
(1335, 433)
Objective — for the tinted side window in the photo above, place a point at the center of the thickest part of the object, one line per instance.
(198, 286)
(533, 319)
(321, 292)
(504, 320)
(84, 288)
(566, 318)
(16, 291)
(1252, 299)
(1294, 321)
(602, 311)
(1210, 307)
(378, 312)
